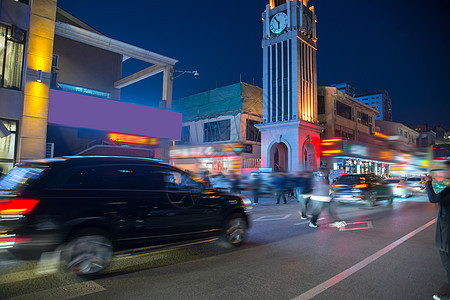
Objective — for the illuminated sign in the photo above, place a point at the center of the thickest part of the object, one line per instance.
(132, 139)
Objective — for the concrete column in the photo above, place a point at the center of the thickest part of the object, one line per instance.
(33, 129)
(167, 86)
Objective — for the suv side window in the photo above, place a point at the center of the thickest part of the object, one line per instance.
(182, 191)
(115, 177)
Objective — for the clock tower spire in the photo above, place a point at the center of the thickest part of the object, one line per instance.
(290, 133)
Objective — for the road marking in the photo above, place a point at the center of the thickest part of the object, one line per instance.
(65, 292)
(355, 268)
(307, 221)
(368, 223)
(272, 218)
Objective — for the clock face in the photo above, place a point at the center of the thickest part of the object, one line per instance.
(278, 23)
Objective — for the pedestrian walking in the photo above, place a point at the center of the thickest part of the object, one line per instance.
(321, 196)
(256, 189)
(303, 190)
(442, 226)
(280, 185)
(235, 184)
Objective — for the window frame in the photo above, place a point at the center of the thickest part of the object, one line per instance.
(8, 39)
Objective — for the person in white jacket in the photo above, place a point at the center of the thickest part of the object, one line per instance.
(321, 196)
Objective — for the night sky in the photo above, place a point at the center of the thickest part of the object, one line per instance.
(401, 46)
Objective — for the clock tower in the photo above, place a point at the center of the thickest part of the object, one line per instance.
(290, 135)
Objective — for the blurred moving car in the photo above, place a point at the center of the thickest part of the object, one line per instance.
(416, 183)
(400, 187)
(90, 207)
(361, 188)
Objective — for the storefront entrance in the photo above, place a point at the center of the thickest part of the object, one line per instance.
(279, 158)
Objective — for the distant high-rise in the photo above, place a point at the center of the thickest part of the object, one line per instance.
(345, 88)
(379, 100)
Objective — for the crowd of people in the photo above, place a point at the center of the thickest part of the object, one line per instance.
(304, 186)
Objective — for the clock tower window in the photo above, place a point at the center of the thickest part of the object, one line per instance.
(276, 3)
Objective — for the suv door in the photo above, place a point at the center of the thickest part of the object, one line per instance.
(191, 210)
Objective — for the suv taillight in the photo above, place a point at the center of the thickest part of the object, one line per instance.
(361, 186)
(17, 206)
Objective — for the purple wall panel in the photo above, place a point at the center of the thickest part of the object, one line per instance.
(76, 110)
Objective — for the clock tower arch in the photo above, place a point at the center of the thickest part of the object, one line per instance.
(290, 82)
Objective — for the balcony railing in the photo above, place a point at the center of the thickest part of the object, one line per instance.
(252, 163)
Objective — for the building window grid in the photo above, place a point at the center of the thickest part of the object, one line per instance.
(217, 131)
(252, 133)
(12, 53)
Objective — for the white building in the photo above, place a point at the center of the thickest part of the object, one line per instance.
(290, 134)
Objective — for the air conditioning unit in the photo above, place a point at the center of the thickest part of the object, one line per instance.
(49, 150)
(372, 130)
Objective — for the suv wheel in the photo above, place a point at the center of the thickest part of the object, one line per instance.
(234, 231)
(372, 200)
(87, 253)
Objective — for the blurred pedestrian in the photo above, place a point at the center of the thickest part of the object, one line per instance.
(303, 190)
(235, 184)
(256, 189)
(321, 196)
(280, 185)
(443, 225)
(205, 178)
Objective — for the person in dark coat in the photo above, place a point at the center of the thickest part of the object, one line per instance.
(256, 188)
(280, 185)
(303, 188)
(442, 224)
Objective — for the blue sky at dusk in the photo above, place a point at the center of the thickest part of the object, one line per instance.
(400, 46)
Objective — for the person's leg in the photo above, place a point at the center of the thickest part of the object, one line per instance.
(284, 197)
(316, 212)
(446, 263)
(298, 192)
(332, 214)
(255, 196)
(278, 196)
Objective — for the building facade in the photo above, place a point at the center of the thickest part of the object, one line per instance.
(290, 134)
(348, 143)
(219, 133)
(379, 100)
(61, 84)
(402, 138)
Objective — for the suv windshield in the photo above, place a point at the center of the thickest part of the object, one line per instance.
(350, 179)
(18, 177)
(414, 179)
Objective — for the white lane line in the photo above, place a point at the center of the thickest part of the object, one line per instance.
(341, 276)
(65, 292)
(272, 218)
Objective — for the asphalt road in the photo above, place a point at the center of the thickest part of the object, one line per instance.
(383, 253)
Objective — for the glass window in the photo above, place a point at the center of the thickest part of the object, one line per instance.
(12, 48)
(343, 110)
(185, 134)
(253, 133)
(182, 191)
(8, 146)
(115, 177)
(82, 90)
(18, 178)
(217, 131)
(321, 105)
(344, 132)
(365, 119)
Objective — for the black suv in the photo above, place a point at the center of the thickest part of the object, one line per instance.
(363, 188)
(87, 208)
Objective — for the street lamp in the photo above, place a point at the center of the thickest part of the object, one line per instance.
(196, 74)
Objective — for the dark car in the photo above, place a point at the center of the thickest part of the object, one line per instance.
(87, 208)
(362, 188)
